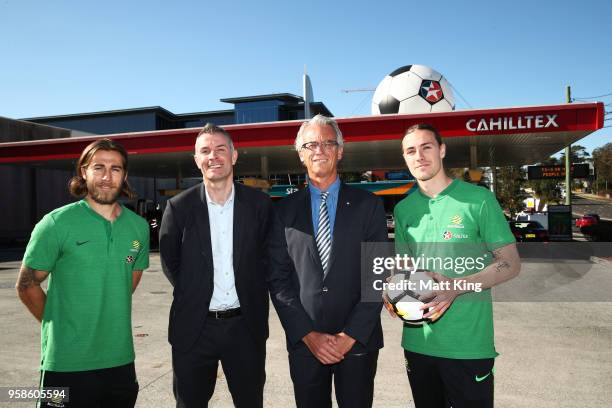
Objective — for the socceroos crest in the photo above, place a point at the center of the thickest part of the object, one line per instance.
(456, 222)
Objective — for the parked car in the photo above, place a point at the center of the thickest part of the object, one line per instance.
(541, 218)
(528, 231)
(587, 220)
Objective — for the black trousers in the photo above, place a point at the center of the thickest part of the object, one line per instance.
(230, 342)
(106, 387)
(438, 382)
(353, 380)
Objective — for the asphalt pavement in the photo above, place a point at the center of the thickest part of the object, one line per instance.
(555, 352)
(589, 203)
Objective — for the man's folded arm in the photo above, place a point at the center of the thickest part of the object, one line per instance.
(363, 320)
(283, 292)
(506, 266)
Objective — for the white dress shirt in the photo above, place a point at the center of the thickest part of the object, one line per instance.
(221, 220)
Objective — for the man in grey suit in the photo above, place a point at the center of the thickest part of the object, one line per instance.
(315, 278)
(213, 251)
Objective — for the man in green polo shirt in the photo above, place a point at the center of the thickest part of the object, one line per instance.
(460, 234)
(94, 252)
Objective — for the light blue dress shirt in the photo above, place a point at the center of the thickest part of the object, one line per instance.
(332, 204)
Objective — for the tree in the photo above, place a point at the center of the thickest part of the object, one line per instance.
(578, 154)
(509, 190)
(602, 159)
(546, 190)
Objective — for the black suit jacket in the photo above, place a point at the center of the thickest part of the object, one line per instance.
(186, 258)
(303, 298)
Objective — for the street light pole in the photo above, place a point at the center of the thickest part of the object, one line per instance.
(568, 151)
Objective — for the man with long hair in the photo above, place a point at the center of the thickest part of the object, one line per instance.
(93, 251)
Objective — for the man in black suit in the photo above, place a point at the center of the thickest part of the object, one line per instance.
(213, 247)
(315, 280)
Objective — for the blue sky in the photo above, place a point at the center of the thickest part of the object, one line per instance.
(63, 57)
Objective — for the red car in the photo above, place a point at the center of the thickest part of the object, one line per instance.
(587, 220)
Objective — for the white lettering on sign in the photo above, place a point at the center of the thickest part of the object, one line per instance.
(512, 123)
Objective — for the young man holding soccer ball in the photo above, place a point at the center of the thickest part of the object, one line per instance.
(450, 359)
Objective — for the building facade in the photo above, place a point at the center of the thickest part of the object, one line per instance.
(36, 191)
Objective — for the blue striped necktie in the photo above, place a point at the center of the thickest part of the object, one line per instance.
(323, 236)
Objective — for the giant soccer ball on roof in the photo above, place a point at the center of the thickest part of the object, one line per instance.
(413, 89)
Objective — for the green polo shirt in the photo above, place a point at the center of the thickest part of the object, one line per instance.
(454, 234)
(87, 319)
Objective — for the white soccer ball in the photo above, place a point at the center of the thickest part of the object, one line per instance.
(410, 311)
(404, 300)
(413, 89)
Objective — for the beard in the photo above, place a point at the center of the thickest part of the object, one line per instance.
(104, 197)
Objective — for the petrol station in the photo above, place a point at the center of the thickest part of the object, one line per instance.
(475, 138)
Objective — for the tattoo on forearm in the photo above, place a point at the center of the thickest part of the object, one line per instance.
(501, 266)
(27, 278)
